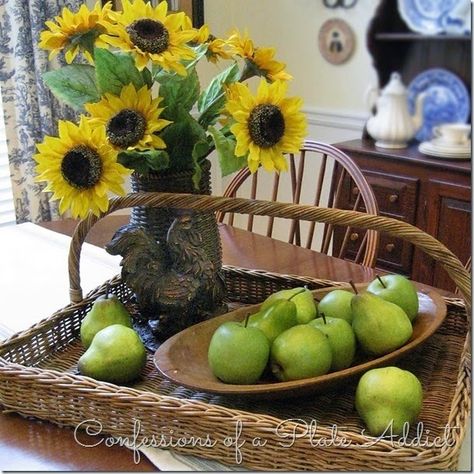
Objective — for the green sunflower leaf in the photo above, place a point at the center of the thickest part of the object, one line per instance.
(114, 71)
(200, 50)
(181, 137)
(144, 161)
(85, 39)
(147, 77)
(73, 84)
(212, 99)
(161, 75)
(179, 93)
(201, 150)
(225, 147)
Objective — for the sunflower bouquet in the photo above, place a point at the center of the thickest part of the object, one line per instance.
(132, 77)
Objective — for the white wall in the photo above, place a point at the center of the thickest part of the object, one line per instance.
(292, 28)
(333, 94)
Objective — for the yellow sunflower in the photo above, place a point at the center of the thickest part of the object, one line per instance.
(267, 125)
(216, 47)
(150, 34)
(273, 70)
(130, 119)
(240, 44)
(261, 59)
(68, 28)
(80, 168)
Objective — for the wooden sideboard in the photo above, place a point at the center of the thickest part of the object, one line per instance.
(432, 194)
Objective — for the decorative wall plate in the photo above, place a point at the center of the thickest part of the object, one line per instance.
(446, 101)
(436, 16)
(336, 41)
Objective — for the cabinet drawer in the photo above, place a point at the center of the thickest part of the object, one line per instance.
(395, 255)
(396, 196)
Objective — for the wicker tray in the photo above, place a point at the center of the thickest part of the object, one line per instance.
(38, 375)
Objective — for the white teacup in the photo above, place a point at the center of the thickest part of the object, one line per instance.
(452, 134)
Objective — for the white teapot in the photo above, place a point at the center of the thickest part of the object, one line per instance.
(392, 126)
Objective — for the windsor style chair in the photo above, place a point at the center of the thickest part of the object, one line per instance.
(318, 175)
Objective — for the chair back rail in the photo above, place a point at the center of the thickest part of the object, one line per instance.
(313, 168)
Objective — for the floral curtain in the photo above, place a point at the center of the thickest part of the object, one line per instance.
(30, 111)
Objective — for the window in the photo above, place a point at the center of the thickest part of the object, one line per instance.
(7, 211)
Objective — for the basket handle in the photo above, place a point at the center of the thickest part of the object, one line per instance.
(198, 202)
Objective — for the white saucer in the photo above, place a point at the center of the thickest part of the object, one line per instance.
(439, 145)
(429, 149)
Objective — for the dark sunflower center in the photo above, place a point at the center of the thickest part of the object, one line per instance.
(266, 125)
(126, 128)
(81, 167)
(150, 36)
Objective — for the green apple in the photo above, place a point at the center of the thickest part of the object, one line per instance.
(300, 352)
(238, 354)
(341, 339)
(398, 290)
(278, 317)
(306, 308)
(387, 398)
(337, 304)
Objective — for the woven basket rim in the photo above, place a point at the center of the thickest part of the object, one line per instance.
(85, 386)
(391, 226)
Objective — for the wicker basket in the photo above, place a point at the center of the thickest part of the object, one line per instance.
(38, 374)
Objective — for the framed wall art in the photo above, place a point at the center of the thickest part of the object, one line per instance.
(336, 41)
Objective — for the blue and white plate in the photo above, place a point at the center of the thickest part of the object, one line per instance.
(446, 100)
(436, 16)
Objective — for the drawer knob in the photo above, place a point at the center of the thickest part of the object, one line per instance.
(354, 236)
(355, 190)
(393, 198)
(389, 248)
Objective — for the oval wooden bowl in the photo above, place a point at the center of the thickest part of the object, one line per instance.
(183, 358)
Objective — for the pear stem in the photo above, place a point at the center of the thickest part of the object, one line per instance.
(246, 321)
(381, 281)
(324, 318)
(354, 287)
(297, 293)
(107, 286)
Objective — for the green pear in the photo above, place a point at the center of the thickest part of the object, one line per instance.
(115, 355)
(387, 398)
(238, 354)
(306, 308)
(337, 304)
(341, 339)
(278, 317)
(398, 290)
(379, 326)
(106, 310)
(300, 352)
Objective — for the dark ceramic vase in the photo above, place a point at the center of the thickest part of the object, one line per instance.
(157, 221)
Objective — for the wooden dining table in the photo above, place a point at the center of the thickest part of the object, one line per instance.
(31, 444)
